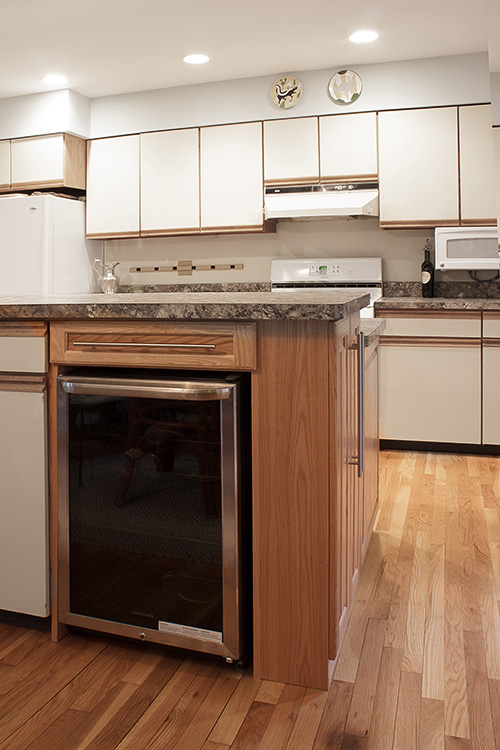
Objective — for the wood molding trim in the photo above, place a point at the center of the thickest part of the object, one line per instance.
(382, 312)
(419, 223)
(22, 383)
(21, 328)
(438, 341)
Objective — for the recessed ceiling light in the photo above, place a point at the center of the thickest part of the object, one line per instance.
(196, 59)
(54, 79)
(360, 37)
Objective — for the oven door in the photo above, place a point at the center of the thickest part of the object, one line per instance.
(149, 508)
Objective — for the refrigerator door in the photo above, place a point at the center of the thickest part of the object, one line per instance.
(72, 255)
(25, 268)
(43, 249)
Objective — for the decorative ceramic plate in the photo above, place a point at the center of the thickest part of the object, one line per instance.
(345, 87)
(286, 92)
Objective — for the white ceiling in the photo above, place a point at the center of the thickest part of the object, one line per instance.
(115, 46)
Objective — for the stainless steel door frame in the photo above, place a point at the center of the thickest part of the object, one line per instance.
(229, 644)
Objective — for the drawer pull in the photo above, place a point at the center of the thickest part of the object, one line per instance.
(147, 346)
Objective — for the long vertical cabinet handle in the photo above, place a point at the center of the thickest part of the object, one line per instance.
(361, 403)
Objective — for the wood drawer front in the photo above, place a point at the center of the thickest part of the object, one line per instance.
(430, 327)
(23, 350)
(199, 346)
(491, 325)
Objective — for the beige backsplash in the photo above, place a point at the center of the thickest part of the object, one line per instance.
(401, 250)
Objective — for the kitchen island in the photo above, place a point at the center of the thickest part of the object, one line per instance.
(311, 518)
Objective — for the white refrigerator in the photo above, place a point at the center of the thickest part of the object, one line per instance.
(43, 249)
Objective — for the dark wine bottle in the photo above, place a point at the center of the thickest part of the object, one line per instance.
(427, 269)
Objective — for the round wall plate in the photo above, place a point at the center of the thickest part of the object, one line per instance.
(345, 87)
(286, 92)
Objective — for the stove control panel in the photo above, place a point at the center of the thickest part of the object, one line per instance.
(324, 271)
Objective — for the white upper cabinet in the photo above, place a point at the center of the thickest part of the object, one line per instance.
(418, 167)
(496, 160)
(477, 174)
(348, 146)
(4, 164)
(170, 182)
(231, 177)
(291, 150)
(113, 187)
(37, 160)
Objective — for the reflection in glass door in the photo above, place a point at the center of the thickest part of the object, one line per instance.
(149, 482)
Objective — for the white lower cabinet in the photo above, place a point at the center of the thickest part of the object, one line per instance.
(430, 393)
(24, 548)
(430, 378)
(491, 394)
(24, 575)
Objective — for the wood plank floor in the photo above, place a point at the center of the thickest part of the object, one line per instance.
(419, 668)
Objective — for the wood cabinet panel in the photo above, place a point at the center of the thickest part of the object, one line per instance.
(179, 344)
(291, 151)
(348, 146)
(232, 193)
(4, 164)
(290, 457)
(477, 173)
(170, 182)
(418, 167)
(113, 187)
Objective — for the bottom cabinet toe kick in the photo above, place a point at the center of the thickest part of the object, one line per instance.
(312, 504)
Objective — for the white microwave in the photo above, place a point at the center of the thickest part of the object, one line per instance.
(457, 248)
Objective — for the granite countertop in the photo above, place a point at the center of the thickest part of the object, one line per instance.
(436, 303)
(187, 306)
(372, 328)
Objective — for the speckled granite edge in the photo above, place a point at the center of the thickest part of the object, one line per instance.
(434, 303)
(249, 286)
(200, 306)
(447, 289)
(372, 328)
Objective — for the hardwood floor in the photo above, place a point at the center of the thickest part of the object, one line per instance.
(419, 668)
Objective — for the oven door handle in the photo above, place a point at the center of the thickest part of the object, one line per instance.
(183, 391)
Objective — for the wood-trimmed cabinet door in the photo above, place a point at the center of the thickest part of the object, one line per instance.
(4, 164)
(418, 167)
(113, 187)
(371, 438)
(48, 161)
(491, 378)
(346, 511)
(477, 171)
(232, 192)
(348, 147)
(291, 151)
(496, 160)
(170, 182)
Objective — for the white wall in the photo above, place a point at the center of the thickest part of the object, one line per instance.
(495, 97)
(401, 250)
(461, 79)
(39, 114)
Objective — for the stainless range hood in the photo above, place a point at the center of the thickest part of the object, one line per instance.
(321, 201)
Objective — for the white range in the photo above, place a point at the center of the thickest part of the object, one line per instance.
(363, 275)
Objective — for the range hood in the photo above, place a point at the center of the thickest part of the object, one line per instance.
(321, 201)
